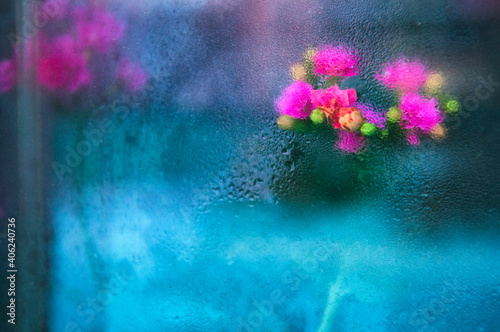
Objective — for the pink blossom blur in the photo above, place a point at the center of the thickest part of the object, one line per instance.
(336, 61)
(64, 68)
(419, 113)
(412, 138)
(131, 75)
(372, 114)
(403, 75)
(97, 29)
(296, 100)
(333, 97)
(8, 74)
(35, 48)
(350, 141)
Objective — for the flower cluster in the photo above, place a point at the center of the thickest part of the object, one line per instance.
(317, 94)
(421, 104)
(61, 64)
(316, 97)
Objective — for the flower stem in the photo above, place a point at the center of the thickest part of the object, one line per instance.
(335, 294)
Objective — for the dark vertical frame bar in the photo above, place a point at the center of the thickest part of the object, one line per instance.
(32, 222)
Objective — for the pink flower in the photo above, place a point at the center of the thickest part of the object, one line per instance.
(331, 100)
(64, 68)
(403, 75)
(336, 61)
(35, 47)
(8, 73)
(296, 100)
(418, 112)
(348, 118)
(333, 97)
(350, 141)
(412, 138)
(131, 75)
(372, 114)
(97, 29)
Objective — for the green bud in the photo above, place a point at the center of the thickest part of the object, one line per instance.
(384, 133)
(368, 129)
(452, 106)
(309, 54)
(286, 122)
(317, 116)
(394, 115)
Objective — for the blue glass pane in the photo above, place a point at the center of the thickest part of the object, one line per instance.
(154, 190)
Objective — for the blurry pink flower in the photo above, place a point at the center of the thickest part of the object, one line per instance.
(333, 97)
(331, 100)
(403, 75)
(35, 47)
(419, 113)
(131, 75)
(8, 73)
(296, 100)
(336, 61)
(412, 138)
(97, 29)
(350, 141)
(65, 68)
(372, 114)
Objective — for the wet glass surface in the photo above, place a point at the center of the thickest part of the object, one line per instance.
(181, 206)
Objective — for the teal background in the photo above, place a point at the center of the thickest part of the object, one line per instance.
(194, 212)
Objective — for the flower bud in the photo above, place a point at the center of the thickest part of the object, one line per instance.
(310, 53)
(452, 106)
(394, 115)
(286, 122)
(435, 83)
(368, 129)
(438, 132)
(317, 116)
(298, 72)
